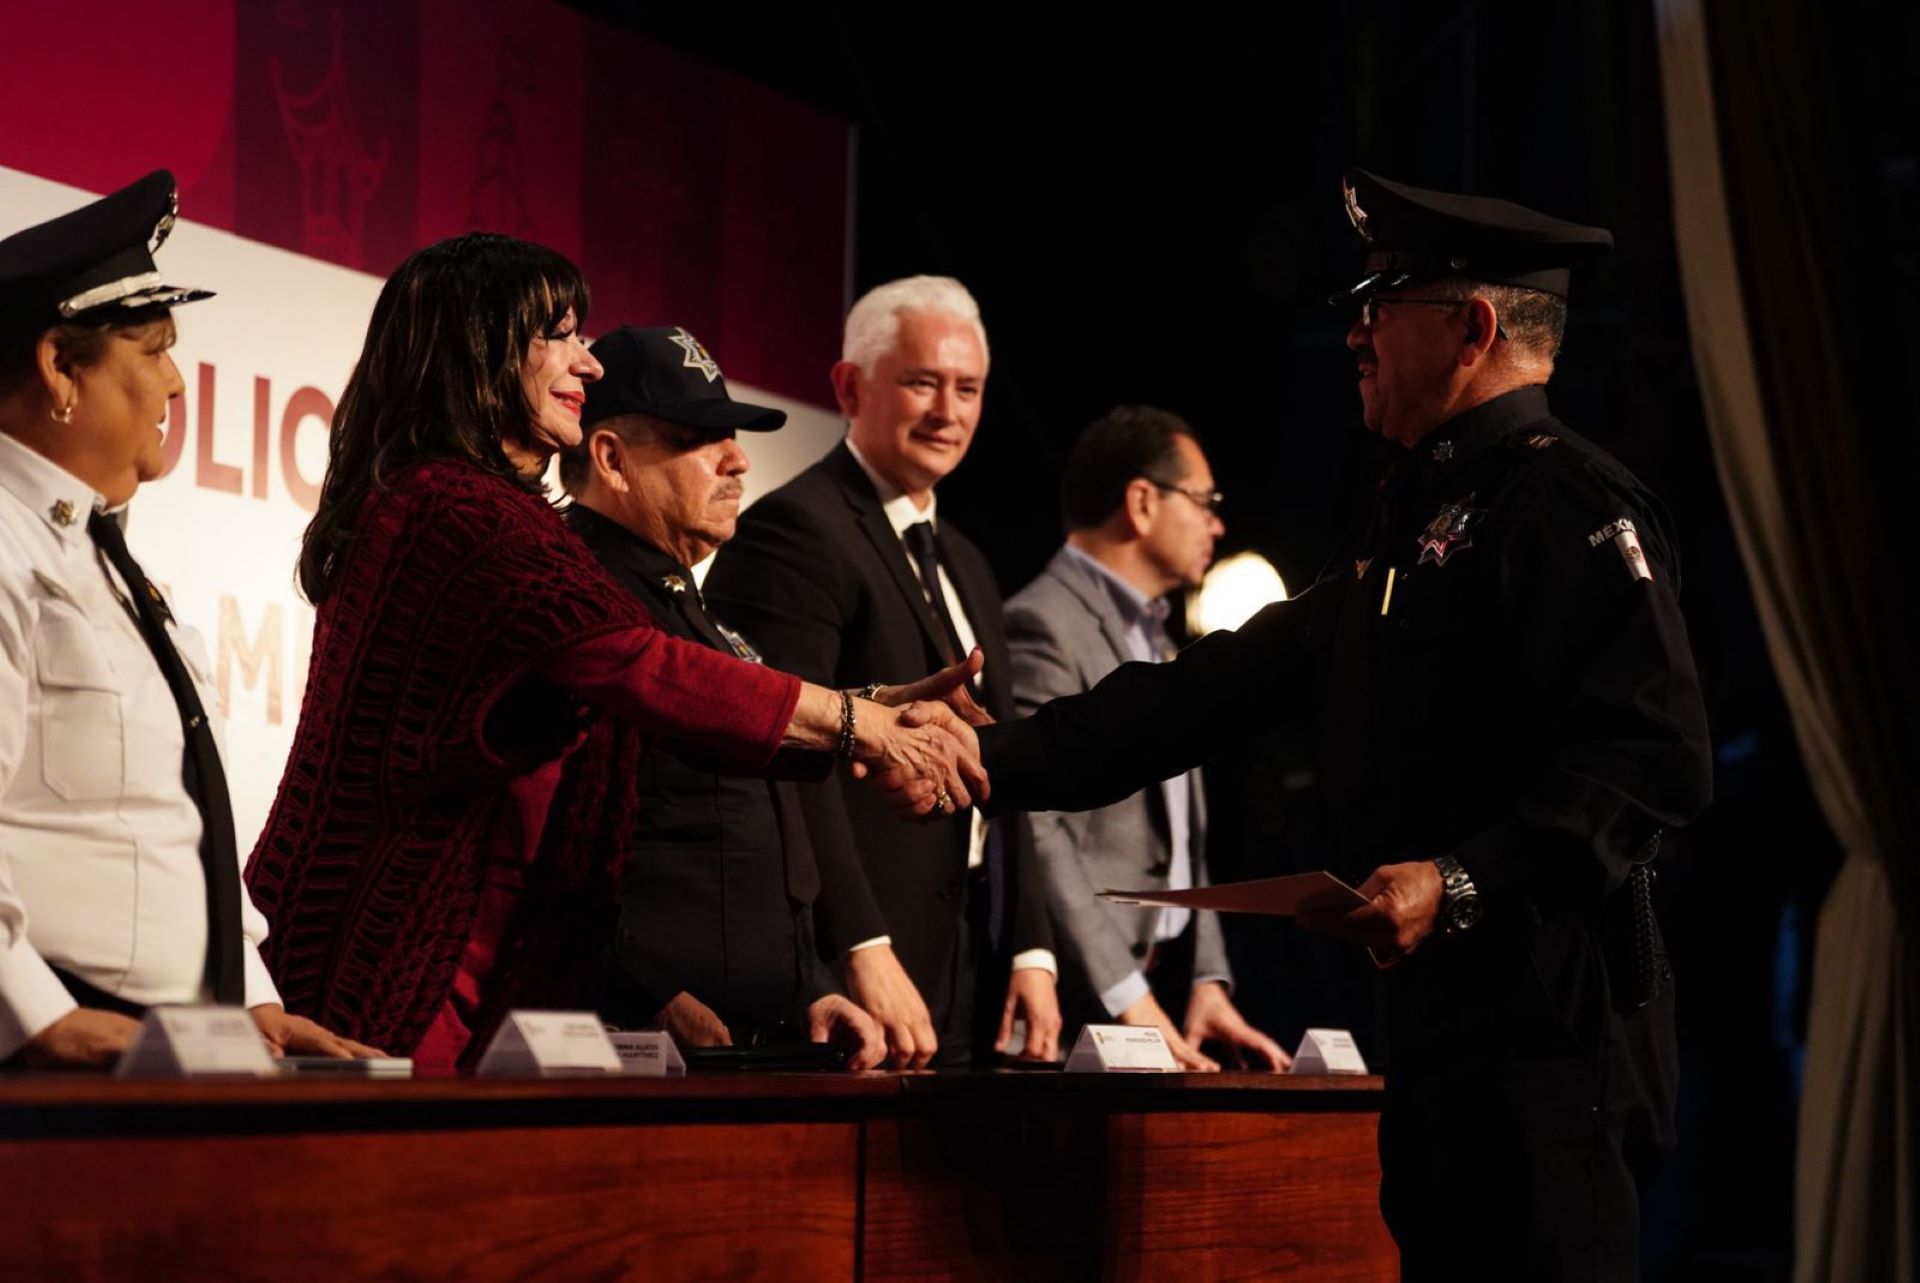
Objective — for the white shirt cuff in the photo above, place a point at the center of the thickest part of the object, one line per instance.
(31, 996)
(874, 943)
(260, 988)
(1036, 960)
(1123, 995)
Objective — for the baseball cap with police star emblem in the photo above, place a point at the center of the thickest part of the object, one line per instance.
(664, 372)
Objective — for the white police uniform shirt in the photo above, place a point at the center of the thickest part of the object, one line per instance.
(100, 869)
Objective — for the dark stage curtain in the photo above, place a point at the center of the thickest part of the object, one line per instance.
(1763, 223)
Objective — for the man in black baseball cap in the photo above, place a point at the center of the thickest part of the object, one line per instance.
(715, 941)
(657, 454)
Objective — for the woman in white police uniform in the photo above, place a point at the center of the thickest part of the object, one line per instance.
(119, 881)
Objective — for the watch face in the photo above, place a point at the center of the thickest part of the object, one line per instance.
(1466, 912)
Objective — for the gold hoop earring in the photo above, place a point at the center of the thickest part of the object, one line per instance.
(63, 415)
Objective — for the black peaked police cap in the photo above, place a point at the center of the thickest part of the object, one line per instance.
(93, 264)
(664, 372)
(1415, 235)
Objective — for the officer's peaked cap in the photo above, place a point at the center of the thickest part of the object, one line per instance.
(93, 264)
(1414, 235)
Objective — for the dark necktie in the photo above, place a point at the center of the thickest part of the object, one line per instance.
(201, 772)
(924, 544)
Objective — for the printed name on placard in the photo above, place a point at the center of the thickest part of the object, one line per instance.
(649, 1054)
(1110, 1049)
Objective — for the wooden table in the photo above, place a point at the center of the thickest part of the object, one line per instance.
(867, 1177)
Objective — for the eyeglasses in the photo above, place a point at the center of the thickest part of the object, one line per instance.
(1208, 500)
(1372, 301)
(1368, 303)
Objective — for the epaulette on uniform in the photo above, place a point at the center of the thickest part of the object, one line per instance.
(1524, 441)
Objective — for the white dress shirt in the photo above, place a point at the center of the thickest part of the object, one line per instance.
(902, 514)
(100, 868)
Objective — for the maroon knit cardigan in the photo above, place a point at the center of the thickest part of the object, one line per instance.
(439, 673)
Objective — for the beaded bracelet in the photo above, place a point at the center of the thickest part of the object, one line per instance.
(847, 724)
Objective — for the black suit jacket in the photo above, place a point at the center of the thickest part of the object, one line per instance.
(717, 900)
(818, 579)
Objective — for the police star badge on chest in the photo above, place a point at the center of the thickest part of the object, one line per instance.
(1449, 533)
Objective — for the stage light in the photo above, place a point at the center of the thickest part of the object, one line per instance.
(1232, 591)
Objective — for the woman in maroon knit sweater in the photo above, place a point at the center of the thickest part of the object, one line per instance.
(447, 837)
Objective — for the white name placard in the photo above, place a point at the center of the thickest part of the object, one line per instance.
(1328, 1051)
(648, 1055)
(1131, 1049)
(197, 1042)
(549, 1043)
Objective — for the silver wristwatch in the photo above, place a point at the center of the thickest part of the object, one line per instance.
(1459, 901)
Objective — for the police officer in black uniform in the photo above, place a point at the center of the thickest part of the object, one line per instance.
(1507, 719)
(715, 941)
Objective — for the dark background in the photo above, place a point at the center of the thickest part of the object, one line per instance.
(1149, 210)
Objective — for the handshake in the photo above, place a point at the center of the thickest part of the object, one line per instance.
(921, 751)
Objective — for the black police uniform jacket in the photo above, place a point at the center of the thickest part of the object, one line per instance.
(717, 899)
(818, 579)
(1522, 698)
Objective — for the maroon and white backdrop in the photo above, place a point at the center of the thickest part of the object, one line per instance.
(319, 143)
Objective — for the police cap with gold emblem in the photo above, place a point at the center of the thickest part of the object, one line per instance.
(664, 372)
(92, 265)
(1415, 235)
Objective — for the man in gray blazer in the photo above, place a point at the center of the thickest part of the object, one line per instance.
(1141, 515)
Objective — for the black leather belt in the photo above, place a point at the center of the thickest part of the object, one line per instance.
(99, 999)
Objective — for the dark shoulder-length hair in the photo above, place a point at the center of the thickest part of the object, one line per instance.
(439, 377)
